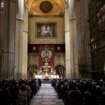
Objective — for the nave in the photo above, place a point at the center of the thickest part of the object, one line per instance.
(46, 96)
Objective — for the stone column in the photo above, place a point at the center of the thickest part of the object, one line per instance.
(7, 37)
(11, 39)
(24, 46)
(73, 34)
(17, 48)
(84, 57)
(67, 45)
(21, 45)
(71, 42)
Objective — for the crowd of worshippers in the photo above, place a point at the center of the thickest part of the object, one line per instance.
(19, 92)
(80, 92)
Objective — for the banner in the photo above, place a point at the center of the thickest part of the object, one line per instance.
(46, 54)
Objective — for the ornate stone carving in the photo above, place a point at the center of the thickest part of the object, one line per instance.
(46, 6)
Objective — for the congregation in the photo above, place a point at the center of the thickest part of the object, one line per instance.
(72, 92)
(19, 92)
(80, 92)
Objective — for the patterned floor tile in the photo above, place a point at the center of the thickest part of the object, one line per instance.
(48, 103)
(46, 96)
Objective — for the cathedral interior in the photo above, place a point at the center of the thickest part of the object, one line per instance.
(52, 40)
(68, 35)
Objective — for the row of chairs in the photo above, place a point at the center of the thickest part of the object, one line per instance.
(13, 92)
(80, 92)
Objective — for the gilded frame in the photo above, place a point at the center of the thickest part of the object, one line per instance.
(46, 29)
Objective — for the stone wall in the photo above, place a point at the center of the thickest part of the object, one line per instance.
(59, 37)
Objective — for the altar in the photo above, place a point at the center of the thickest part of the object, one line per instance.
(46, 77)
(46, 72)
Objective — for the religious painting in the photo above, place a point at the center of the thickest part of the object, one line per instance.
(46, 30)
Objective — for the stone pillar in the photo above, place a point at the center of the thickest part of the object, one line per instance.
(17, 48)
(84, 57)
(25, 45)
(11, 39)
(71, 41)
(74, 48)
(74, 38)
(7, 37)
(67, 45)
(21, 45)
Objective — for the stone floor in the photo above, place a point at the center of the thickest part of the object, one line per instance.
(46, 96)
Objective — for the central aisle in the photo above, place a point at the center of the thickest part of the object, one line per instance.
(46, 96)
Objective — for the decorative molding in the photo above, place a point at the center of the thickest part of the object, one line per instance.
(46, 6)
(57, 8)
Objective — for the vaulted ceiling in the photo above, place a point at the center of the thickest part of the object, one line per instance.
(46, 7)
